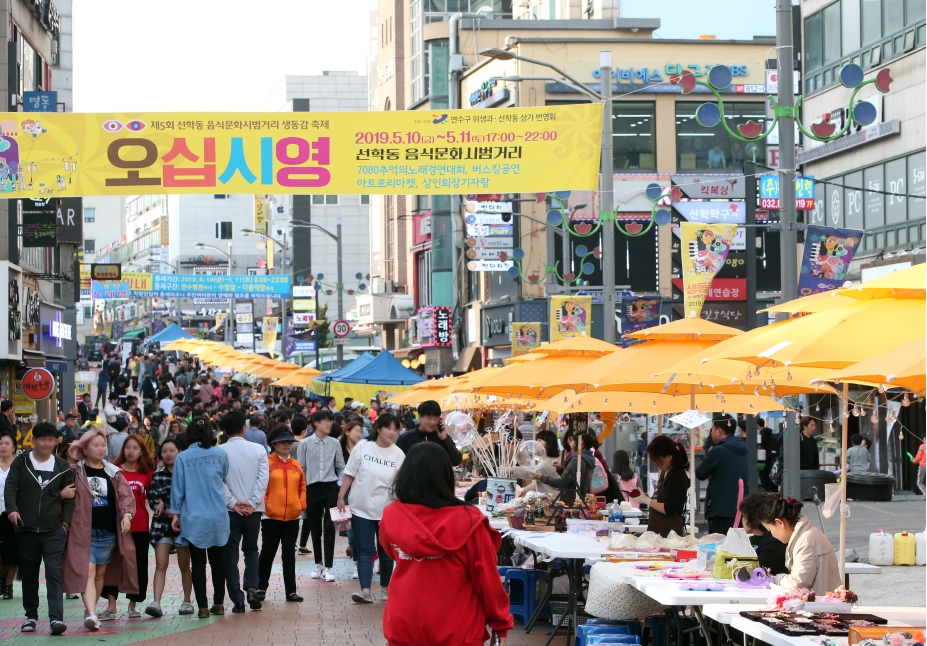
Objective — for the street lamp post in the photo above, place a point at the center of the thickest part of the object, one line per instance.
(607, 166)
(229, 326)
(340, 282)
(283, 301)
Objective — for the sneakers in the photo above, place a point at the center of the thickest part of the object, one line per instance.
(383, 595)
(28, 626)
(328, 575)
(376, 566)
(91, 622)
(186, 608)
(58, 627)
(302, 551)
(354, 576)
(317, 572)
(362, 597)
(106, 615)
(154, 610)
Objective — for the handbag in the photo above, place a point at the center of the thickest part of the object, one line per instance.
(599, 479)
(776, 473)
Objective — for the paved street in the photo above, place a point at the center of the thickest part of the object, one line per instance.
(328, 617)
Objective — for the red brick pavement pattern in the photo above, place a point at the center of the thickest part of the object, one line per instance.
(327, 617)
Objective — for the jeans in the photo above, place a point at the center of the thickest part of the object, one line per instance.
(243, 532)
(352, 543)
(367, 537)
(320, 497)
(198, 557)
(719, 525)
(281, 533)
(33, 549)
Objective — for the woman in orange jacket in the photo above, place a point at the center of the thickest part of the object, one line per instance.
(284, 502)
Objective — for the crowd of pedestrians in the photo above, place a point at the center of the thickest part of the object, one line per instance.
(208, 470)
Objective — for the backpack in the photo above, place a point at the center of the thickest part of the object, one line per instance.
(599, 479)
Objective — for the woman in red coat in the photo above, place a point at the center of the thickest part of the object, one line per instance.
(446, 587)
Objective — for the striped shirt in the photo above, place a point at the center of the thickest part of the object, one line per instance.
(322, 459)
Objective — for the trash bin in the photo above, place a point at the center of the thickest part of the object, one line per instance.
(815, 478)
(873, 487)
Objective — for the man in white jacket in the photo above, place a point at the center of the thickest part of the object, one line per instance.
(111, 412)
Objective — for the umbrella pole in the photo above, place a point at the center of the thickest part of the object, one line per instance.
(842, 557)
(693, 483)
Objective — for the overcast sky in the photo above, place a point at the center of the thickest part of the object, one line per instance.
(200, 55)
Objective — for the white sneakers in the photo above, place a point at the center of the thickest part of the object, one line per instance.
(324, 573)
(91, 622)
(354, 576)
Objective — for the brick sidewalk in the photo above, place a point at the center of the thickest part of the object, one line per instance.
(327, 616)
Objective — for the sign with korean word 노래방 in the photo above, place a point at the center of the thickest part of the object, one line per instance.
(511, 150)
(525, 338)
(826, 258)
(703, 253)
(769, 192)
(569, 316)
(442, 330)
(38, 383)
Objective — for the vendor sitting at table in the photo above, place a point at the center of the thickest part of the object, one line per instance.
(669, 498)
(809, 556)
(565, 483)
(770, 552)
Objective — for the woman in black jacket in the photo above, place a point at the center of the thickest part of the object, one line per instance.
(770, 551)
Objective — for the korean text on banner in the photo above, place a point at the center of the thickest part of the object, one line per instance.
(512, 150)
(569, 316)
(826, 258)
(270, 333)
(141, 285)
(704, 252)
(525, 338)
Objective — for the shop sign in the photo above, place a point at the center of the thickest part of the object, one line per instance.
(32, 301)
(484, 92)
(303, 304)
(38, 383)
(489, 207)
(39, 229)
(733, 314)
(490, 265)
(303, 291)
(847, 142)
(40, 101)
(487, 218)
(497, 325)
(56, 366)
(303, 318)
(425, 327)
(712, 212)
(705, 187)
(769, 192)
(722, 289)
(475, 253)
(15, 315)
(655, 73)
(487, 230)
(105, 272)
(497, 242)
(442, 326)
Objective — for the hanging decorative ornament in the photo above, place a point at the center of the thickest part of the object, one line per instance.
(901, 435)
(765, 387)
(890, 416)
(630, 406)
(881, 389)
(817, 407)
(856, 410)
(741, 383)
(788, 375)
(846, 412)
(756, 391)
(875, 416)
(830, 427)
(906, 401)
(654, 401)
(752, 409)
(605, 401)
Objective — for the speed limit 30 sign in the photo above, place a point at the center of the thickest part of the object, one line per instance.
(341, 328)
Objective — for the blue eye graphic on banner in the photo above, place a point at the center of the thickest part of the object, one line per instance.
(826, 258)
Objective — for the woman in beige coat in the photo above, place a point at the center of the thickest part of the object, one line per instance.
(100, 549)
(809, 556)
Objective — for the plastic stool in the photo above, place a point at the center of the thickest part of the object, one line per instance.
(522, 597)
(657, 628)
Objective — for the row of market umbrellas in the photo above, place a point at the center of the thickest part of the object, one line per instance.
(246, 366)
(871, 334)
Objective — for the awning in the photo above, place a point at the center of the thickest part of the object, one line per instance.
(33, 358)
(134, 334)
(471, 358)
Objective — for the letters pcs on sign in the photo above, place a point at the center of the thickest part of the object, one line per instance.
(769, 192)
(38, 383)
(512, 150)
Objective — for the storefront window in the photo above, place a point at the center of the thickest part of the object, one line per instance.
(713, 149)
(633, 136)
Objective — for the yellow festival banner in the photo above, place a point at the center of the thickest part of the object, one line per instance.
(512, 150)
(270, 334)
(570, 316)
(525, 338)
(704, 252)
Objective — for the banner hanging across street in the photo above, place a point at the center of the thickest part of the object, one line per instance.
(517, 150)
(192, 286)
(704, 252)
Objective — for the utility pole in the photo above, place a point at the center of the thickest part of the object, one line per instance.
(749, 169)
(788, 236)
(283, 270)
(608, 202)
(340, 287)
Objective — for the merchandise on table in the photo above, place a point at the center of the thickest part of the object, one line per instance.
(802, 624)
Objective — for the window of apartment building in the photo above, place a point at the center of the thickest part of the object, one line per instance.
(894, 219)
(90, 215)
(700, 148)
(868, 33)
(223, 230)
(31, 66)
(90, 246)
(325, 200)
(634, 136)
(365, 199)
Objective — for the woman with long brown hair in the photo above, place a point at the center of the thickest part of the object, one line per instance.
(669, 498)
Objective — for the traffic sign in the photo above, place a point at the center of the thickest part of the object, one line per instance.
(341, 329)
(341, 341)
(38, 383)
